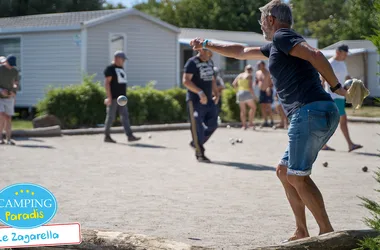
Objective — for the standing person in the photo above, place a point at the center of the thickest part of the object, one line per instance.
(340, 69)
(280, 110)
(220, 85)
(116, 85)
(200, 82)
(245, 96)
(313, 115)
(263, 80)
(9, 85)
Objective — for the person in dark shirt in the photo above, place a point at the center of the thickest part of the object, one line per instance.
(314, 117)
(202, 97)
(116, 85)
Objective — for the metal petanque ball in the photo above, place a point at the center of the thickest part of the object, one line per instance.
(122, 100)
(365, 169)
(347, 84)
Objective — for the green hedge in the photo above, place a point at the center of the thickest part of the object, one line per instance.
(82, 105)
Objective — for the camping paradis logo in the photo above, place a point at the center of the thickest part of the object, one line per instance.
(26, 206)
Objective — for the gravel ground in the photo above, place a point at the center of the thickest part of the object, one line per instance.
(156, 187)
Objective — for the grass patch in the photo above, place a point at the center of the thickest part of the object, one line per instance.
(21, 124)
(365, 111)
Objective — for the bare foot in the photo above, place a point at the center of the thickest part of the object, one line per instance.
(299, 234)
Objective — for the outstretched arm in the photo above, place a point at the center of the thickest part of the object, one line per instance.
(234, 50)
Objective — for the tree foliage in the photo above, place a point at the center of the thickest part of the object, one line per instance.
(334, 20)
(10, 8)
(239, 15)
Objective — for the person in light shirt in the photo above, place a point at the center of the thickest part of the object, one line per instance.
(340, 69)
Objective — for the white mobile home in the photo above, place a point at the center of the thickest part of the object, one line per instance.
(362, 62)
(56, 49)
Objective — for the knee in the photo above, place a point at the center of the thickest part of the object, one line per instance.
(281, 172)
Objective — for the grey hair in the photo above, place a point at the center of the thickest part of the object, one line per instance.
(281, 11)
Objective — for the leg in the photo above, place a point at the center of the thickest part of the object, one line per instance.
(296, 204)
(269, 112)
(110, 118)
(252, 112)
(8, 129)
(344, 127)
(211, 121)
(282, 122)
(2, 126)
(243, 115)
(312, 198)
(313, 126)
(124, 115)
(294, 199)
(264, 113)
(196, 127)
(8, 119)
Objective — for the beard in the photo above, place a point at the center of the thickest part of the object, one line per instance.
(267, 36)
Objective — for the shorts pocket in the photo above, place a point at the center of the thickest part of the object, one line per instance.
(318, 123)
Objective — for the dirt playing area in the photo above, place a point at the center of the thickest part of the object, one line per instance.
(155, 187)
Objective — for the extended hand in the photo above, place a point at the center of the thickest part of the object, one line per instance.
(197, 43)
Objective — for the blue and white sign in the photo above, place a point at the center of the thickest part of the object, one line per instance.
(26, 206)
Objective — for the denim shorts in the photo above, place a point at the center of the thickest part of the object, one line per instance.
(311, 126)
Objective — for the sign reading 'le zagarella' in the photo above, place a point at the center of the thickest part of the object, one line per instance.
(26, 209)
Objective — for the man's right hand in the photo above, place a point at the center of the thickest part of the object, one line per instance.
(341, 92)
(203, 98)
(197, 43)
(107, 101)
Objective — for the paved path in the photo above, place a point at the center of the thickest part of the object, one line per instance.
(157, 188)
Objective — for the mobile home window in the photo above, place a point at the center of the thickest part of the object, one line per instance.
(234, 65)
(117, 42)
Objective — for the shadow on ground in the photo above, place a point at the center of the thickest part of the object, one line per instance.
(368, 154)
(27, 139)
(143, 145)
(245, 166)
(34, 146)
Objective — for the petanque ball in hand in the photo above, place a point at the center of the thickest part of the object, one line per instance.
(122, 100)
(347, 84)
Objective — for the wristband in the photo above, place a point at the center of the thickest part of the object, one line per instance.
(200, 92)
(338, 86)
(205, 43)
